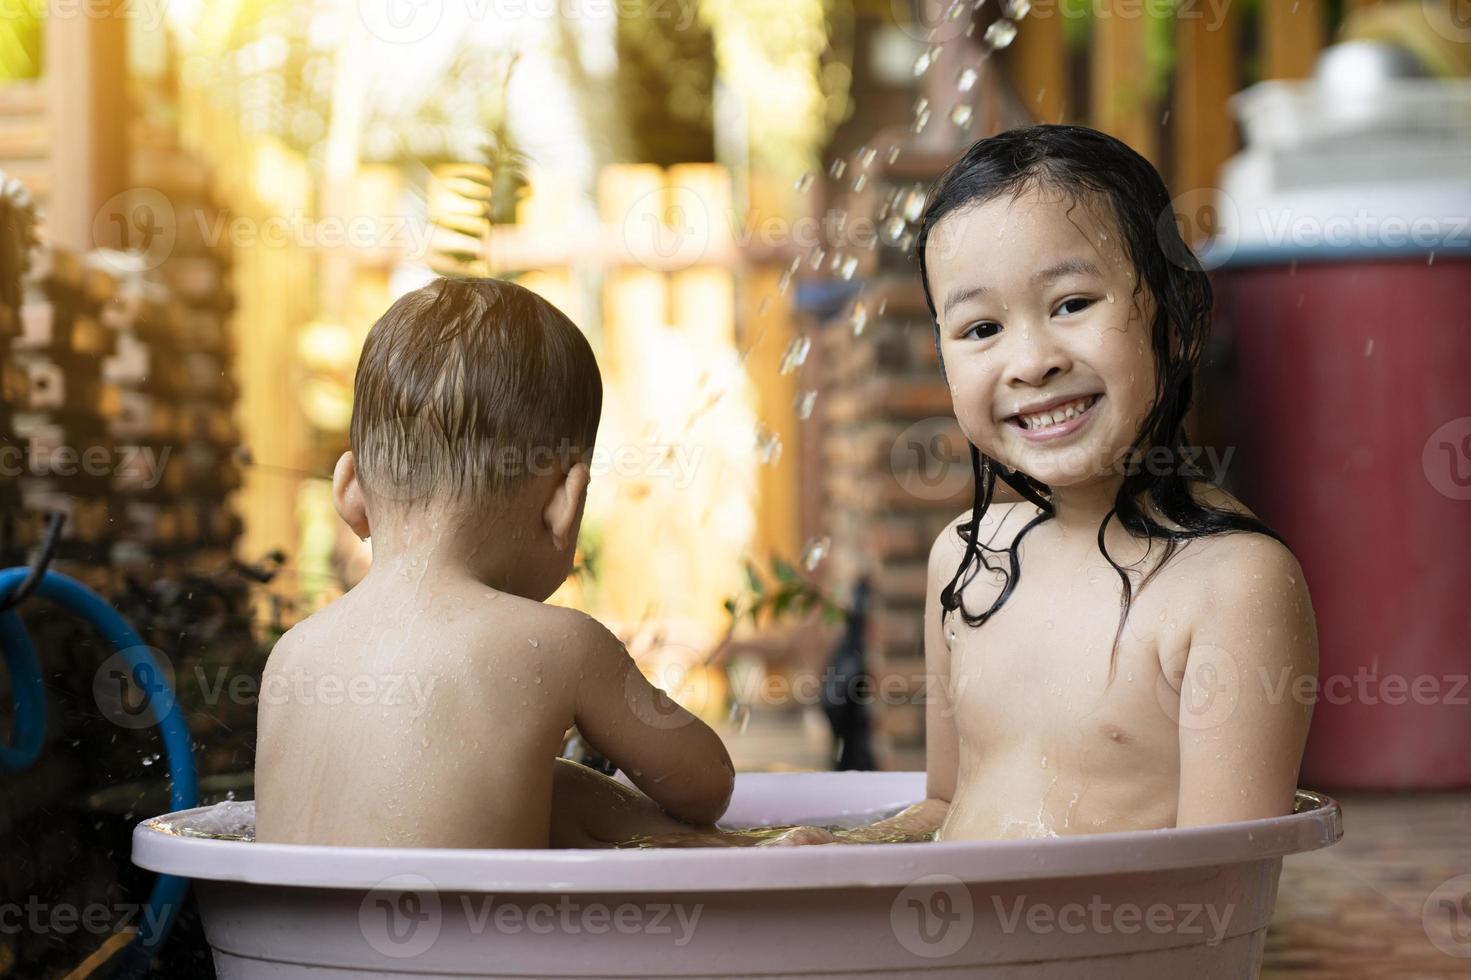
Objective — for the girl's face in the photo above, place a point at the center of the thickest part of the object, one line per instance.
(1046, 348)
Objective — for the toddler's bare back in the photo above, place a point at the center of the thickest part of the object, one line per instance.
(418, 714)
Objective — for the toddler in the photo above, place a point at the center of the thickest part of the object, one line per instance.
(428, 705)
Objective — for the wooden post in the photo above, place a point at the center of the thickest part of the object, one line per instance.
(1293, 32)
(87, 106)
(1038, 67)
(1119, 104)
(1206, 78)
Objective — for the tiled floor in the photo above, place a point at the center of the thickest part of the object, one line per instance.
(1358, 908)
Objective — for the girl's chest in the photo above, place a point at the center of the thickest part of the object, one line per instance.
(1047, 660)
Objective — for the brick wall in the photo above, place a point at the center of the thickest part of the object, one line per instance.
(117, 410)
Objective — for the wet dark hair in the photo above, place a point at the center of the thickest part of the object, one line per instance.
(1088, 165)
(468, 388)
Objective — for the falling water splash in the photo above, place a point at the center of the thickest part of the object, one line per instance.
(898, 212)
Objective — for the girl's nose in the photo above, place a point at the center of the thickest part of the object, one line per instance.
(1035, 357)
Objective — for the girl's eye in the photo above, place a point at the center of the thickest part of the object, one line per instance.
(981, 331)
(1076, 304)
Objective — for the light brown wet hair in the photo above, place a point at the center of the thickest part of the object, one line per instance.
(469, 388)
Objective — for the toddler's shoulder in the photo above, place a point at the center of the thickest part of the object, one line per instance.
(302, 634)
(573, 630)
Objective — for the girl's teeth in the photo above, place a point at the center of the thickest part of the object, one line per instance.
(1057, 415)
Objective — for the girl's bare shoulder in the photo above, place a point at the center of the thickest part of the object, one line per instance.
(997, 529)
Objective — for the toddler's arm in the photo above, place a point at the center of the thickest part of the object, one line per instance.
(667, 752)
(1243, 714)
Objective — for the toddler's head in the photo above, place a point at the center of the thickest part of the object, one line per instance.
(476, 403)
(1069, 315)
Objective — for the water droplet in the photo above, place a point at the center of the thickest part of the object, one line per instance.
(837, 169)
(1016, 9)
(804, 182)
(966, 80)
(894, 229)
(866, 156)
(860, 182)
(815, 552)
(796, 354)
(893, 153)
(785, 282)
(818, 254)
(913, 207)
(961, 115)
(1000, 34)
(859, 318)
(804, 403)
(533, 641)
(849, 266)
(768, 446)
(1369, 347)
(921, 115)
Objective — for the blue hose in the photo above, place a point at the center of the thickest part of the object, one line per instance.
(30, 719)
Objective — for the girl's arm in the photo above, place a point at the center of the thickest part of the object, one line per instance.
(941, 741)
(1245, 698)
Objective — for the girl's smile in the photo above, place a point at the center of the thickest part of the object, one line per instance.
(1056, 418)
(1050, 375)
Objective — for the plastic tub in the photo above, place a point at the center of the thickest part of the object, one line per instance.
(1193, 902)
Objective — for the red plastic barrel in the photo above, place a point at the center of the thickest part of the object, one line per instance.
(1353, 414)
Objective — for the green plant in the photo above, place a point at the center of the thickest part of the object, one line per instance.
(790, 594)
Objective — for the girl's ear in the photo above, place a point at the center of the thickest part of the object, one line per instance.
(347, 496)
(563, 514)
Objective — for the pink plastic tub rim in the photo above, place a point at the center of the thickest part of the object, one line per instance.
(760, 798)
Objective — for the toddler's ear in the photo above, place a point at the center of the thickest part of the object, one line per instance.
(347, 495)
(563, 513)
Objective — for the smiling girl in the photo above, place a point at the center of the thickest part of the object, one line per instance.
(1116, 651)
